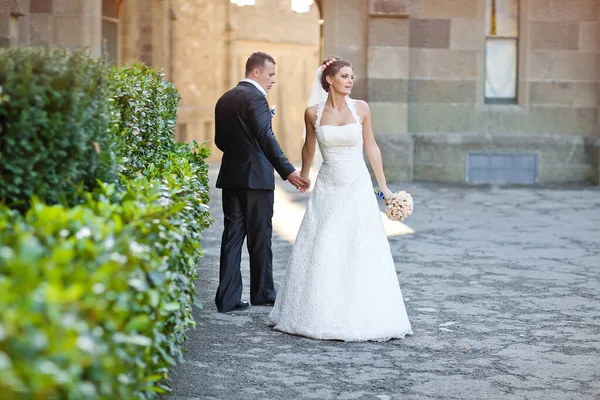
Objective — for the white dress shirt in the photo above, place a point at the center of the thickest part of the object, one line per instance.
(255, 84)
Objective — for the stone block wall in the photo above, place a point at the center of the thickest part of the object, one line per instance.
(374, 36)
(14, 24)
(563, 80)
(293, 39)
(67, 23)
(424, 78)
(446, 44)
(419, 63)
(213, 39)
(198, 66)
(202, 45)
(345, 33)
(596, 147)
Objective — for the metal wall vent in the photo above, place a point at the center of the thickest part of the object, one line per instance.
(502, 168)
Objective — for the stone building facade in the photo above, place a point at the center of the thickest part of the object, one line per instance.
(214, 40)
(460, 90)
(202, 45)
(424, 68)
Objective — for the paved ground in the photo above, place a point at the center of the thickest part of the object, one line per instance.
(502, 287)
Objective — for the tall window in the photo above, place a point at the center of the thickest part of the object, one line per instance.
(501, 51)
(110, 31)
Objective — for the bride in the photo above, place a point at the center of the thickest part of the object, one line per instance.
(340, 282)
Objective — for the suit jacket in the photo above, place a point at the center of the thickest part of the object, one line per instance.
(244, 134)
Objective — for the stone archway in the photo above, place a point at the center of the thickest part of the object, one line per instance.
(294, 40)
(213, 39)
(203, 46)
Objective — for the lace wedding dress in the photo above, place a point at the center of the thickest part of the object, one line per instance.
(340, 281)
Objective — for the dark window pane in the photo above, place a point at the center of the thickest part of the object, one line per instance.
(110, 40)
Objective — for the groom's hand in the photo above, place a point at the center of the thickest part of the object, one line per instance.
(301, 183)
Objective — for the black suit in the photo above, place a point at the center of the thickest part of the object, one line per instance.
(251, 153)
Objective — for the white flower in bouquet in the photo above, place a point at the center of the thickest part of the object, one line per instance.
(399, 207)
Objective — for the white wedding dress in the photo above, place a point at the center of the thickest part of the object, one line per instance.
(340, 281)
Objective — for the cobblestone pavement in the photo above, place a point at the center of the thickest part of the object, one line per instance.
(502, 287)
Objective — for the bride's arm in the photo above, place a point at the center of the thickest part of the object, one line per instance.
(371, 148)
(308, 150)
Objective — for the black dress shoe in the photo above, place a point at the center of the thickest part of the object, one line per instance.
(268, 302)
(242, 305)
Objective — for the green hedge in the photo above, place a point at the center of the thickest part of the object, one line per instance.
(143, 113)
(54, 138)
(96, 298)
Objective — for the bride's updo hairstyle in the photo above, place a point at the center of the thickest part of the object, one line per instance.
(331, 67)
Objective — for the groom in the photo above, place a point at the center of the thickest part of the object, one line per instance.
(244, 134)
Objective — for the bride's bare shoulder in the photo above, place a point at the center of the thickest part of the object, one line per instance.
(311, 112)
(362, 105)
(362, 108)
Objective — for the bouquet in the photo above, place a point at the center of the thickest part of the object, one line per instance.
(399, 206)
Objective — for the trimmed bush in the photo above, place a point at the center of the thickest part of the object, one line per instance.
(96, 299)
(54, 139)
(143, 114)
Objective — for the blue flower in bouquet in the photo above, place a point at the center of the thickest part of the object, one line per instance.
(272, 112)
(380, 194)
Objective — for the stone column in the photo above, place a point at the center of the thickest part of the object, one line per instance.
(563, 70)
(345, 36)
(91, 26)
(198, 59)
(13, 23)
(74, 24)
(136, 20)
(160, 34)
(22, 13)
(5, 20)
(41, 23)
(446, 43)
(597, 141)
(388, 74)
(129, 25)
(145, 11)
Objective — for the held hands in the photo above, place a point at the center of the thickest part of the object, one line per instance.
(301, 183)
(387, 193)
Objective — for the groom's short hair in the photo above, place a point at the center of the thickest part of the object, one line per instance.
(257, 60)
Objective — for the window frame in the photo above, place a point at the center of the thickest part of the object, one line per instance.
(111, 12)
(104, 41)
(517, 38)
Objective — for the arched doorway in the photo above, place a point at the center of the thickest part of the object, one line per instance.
(294, 39)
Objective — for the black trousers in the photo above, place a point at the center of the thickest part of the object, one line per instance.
(248, 212)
